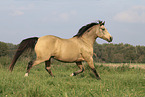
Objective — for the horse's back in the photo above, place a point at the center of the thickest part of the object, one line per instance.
(51, 44)
(48, 38)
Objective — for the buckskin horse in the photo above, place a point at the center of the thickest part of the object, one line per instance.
(76, 49)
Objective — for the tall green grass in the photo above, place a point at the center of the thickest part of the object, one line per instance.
(116, 82)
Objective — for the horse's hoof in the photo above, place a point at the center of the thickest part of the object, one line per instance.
(26, 75)
(72, 74)
(98, 78)
(53, 76)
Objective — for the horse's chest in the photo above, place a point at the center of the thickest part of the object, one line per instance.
(87, 50)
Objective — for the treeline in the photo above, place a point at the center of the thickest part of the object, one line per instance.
(107, 53)
(119, 53)
(7, 49)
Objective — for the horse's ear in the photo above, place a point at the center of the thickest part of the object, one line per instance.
(100, 22)
(103, 23)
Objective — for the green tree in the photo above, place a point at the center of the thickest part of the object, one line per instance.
(3, 49)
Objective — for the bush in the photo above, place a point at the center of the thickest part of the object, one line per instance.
(4, 61)
(3, 49)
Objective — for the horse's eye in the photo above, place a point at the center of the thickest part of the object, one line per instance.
(103, 29)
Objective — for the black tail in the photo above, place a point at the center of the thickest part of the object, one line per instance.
(28, 43)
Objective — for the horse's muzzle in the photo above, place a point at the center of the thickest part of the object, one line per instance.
(110, 40)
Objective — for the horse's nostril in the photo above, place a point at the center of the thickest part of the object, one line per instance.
(111, 38)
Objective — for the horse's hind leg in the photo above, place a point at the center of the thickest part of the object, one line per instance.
(29, 67)
(48, 67)
(31, 64)
(79, 64)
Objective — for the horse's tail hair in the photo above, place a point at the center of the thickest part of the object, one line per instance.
(26, 44)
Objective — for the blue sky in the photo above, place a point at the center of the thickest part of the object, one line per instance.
(20, 19)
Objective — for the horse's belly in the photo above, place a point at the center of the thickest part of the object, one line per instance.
(70, 58)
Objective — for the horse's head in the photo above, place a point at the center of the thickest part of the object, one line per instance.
(103, 33)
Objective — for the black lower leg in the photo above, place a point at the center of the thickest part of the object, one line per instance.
(48, 67)
(80, 71)
(48, 70)
(29, 66)
(96, 74)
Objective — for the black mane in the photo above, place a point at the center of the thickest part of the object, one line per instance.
(84, 29)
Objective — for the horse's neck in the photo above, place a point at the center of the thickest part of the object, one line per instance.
(90, 37)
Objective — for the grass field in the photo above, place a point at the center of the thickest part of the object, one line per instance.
(121, 81)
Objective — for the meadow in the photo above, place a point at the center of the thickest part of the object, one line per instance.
(119, 81)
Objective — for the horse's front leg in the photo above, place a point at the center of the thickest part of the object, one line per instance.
(79, 64)
(91, 64)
